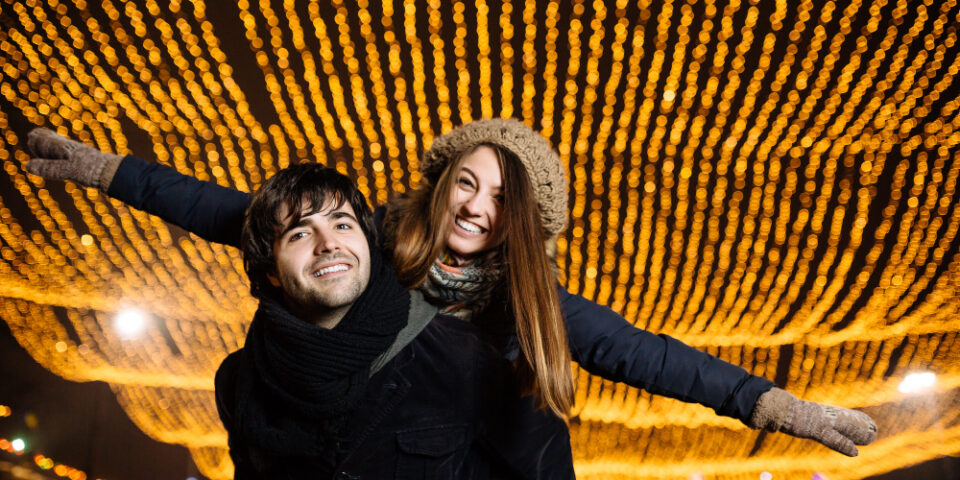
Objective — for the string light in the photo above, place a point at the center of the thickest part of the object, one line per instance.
(130, 323)
(918, 382)
(772, 182)
(18, 447)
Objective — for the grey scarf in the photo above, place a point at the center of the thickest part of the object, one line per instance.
(462, 288)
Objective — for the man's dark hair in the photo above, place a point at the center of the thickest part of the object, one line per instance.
(303, 189)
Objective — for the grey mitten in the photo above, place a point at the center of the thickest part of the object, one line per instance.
(838, 428)
(59, 158)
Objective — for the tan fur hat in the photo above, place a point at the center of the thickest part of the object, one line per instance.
(540, 160)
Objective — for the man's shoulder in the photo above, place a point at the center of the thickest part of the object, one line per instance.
(225, 384)
(229, 367)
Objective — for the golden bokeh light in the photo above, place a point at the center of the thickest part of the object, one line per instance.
(772, 182)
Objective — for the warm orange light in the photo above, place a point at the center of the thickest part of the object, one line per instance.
(772, 182)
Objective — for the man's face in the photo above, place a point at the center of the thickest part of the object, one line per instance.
(323, 260)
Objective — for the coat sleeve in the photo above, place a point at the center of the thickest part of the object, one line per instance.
(212, 212)
(226, 382)
(605, 344)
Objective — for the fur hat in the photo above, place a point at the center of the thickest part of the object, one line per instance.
(537, 156)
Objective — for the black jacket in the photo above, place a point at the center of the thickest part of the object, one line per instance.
(442, 408)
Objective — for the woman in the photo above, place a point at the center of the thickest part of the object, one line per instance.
(471, 239)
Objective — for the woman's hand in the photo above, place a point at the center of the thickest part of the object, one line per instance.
(59, 158)
(838, 428)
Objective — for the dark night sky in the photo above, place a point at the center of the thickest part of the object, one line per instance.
(79, 424)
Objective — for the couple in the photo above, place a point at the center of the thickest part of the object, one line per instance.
(474, 242)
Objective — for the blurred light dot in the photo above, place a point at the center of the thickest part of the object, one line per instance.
(669, 95)
(766, 476)
(818, 476)
(61, 346)
(130, 323)
(18, 444)
(918, 382)
(86, 240)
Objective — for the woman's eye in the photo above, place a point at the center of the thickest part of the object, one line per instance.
(466, 183)
(498, 199)
(344, 226)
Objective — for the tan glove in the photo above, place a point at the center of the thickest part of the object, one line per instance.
(838, 428)
(59, 158)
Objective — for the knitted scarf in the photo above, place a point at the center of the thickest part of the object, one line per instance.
(462, 287)
(320, 373)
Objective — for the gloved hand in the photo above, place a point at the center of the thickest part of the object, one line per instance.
(59, 158)
(838, 428)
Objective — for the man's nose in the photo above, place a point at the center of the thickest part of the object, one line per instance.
(326, 242)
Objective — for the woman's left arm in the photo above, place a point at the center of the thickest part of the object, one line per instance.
(605, 344)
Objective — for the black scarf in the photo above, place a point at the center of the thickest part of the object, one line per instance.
(320, 374)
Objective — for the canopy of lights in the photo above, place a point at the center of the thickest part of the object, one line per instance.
(772, 182)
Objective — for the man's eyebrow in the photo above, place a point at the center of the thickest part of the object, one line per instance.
(334, 214)
(338, 214)
(302, 222)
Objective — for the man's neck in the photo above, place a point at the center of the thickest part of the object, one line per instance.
(323, 318)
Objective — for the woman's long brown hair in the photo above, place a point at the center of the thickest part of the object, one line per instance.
(416, 228)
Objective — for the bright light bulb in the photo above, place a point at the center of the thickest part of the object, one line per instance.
(766, 476)
(918, 382)
(130, 323)
(18, 445)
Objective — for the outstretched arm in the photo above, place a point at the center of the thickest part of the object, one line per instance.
(605, 344)
(206, 209)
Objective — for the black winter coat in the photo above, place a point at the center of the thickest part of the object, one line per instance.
(442, 408)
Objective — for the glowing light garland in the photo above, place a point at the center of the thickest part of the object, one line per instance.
(773, 182)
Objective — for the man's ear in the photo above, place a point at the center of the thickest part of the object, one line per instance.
(273, 280)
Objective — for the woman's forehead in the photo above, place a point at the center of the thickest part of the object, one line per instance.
(484, 163)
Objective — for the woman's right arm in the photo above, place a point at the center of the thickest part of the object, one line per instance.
(213, 212)
(210, 211)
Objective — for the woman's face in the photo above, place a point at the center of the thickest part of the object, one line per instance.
(475, 204)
